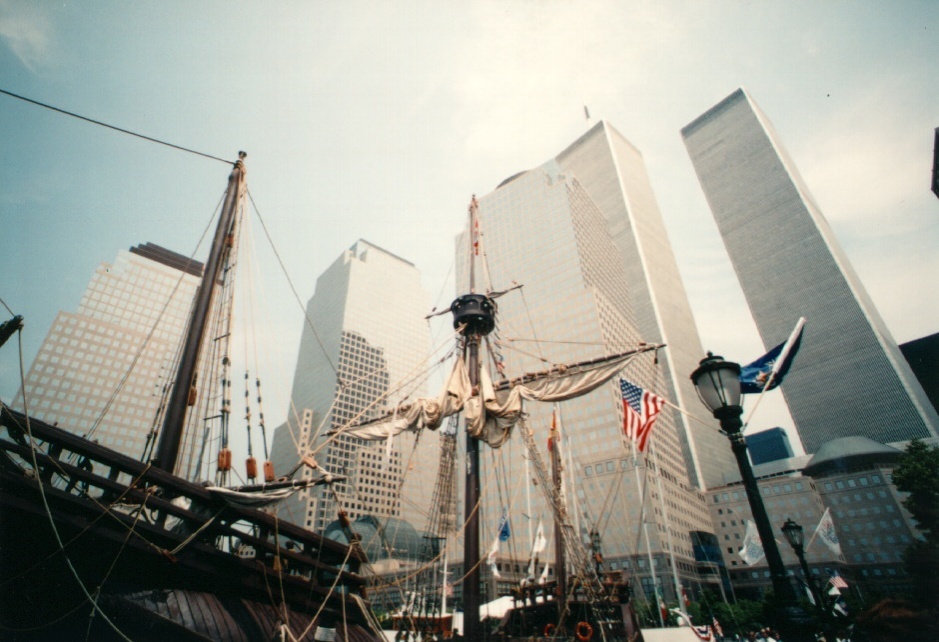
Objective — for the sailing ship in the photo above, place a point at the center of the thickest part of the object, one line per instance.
(101, 545)
(98, 542)
(582, 602)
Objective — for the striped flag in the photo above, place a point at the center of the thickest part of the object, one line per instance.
(640, 409)
(838, 582)
(717, 627)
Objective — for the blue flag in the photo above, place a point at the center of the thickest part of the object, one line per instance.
(504, 532)
(772, 366)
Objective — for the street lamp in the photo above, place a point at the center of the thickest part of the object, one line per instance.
(717, 383)
(796, 538)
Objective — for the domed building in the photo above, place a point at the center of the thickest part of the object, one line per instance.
(395, 549)
(385, 539)
(851, 477)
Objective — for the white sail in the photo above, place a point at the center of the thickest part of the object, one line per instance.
(424, 412)
(491, 416)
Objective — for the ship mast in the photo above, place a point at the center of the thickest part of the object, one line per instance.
(179, 401)
(474, 318)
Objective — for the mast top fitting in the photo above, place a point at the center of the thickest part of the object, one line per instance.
(476, 313)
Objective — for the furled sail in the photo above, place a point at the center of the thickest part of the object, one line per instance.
(492, 415)
(423, 412)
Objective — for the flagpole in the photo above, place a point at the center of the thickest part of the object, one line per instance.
(528, 499)
(780, 360)
(560, 562)
(645, 531)
(671, 547)
(575, 505)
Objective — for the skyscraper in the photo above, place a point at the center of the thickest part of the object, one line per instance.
(364, 341)
(768, 445)
(101, 370)
(613, 173)
(583, 234)
(849, 377)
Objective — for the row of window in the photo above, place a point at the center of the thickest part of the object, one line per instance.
(852, 482)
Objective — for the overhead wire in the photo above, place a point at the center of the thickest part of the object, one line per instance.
(113, 127)
(131, 531)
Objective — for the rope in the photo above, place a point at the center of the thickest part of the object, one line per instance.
(91, 616)
(133, 484)
(195, 534)
(332, 588)
(45, 624)
(293, 289)
(117, 129)
(45, 502)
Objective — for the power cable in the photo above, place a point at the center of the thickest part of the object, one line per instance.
(118, 129)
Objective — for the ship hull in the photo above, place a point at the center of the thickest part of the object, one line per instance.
(80, 524)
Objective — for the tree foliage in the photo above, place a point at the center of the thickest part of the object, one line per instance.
(918, 475)
(741, 617)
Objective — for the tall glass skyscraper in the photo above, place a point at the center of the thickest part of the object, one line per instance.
(583, 234)
(362, 350)
(613, 173)
(101, 370)
(849, 377)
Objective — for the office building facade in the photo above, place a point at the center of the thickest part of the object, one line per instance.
(851, 478)
(583, 234)
(849, 377)
(923, 356)
(768, 445)
(613, 174)
(364, 340)
(102, 370)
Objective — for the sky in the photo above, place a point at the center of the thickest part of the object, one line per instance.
(379, 120)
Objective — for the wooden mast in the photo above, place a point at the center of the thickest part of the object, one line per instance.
(474, 317)
(171, 434)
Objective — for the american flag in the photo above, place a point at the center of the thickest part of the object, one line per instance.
(640, 408)
(717, 627)
(838, 582)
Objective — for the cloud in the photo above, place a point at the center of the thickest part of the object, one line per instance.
(25, 29)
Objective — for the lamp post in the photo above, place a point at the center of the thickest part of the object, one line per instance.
(717, 383)
(796, 538)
